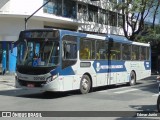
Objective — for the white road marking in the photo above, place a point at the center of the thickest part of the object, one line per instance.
(103, 91)
(114, 89)
(125, 91)
(155, 95)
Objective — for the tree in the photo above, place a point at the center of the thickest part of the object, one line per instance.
(134, 14)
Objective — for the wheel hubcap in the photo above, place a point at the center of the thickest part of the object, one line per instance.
(132, 79)
(85, 84)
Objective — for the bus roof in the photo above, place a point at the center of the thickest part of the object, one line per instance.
(117, 38)
(123, 39)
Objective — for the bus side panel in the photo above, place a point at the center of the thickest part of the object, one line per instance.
(67, 77)
(101, 78)
(71, 76)
(141, 69)
(122, 77)
(67, 82)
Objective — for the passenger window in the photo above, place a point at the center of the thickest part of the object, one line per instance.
(143, 53)
(101, 50)
(115, 52)
(87, 49)
(126, 52)
(135, 52)
(148, 53)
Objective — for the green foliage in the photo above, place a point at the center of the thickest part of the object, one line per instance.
(149, 35)
(135, 12)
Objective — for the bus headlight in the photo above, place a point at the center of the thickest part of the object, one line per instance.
(51, 78)
(54, 77)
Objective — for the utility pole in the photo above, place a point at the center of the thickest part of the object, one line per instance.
(26, 19)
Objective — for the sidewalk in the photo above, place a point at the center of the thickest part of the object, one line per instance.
(7, 82)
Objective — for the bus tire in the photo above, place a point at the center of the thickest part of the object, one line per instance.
(158, 104)
(85, 84)
(132, 79)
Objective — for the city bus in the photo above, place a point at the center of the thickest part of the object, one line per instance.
(62, 60)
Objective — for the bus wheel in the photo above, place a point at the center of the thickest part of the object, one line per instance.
(132, 79)
(85, 84)
(158, 103)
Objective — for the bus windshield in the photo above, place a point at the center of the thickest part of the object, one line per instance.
(38, 53)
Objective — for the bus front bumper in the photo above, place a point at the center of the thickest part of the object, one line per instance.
(38, 85)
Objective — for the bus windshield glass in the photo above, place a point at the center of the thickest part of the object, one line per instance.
(38, 52)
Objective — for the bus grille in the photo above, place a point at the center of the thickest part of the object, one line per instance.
(35, 84)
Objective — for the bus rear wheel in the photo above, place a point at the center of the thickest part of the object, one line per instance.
(85, 84)
(158, 103)
(132, 79)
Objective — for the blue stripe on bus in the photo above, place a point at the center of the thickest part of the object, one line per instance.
(67, 71)
(109, 66)
(147, 65)
(55, 71)
(102, 66)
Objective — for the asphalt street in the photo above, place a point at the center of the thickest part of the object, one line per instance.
(141, 97)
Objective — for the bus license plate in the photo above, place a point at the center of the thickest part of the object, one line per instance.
(30, 85)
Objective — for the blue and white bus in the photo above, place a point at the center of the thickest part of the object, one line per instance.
(61, 60)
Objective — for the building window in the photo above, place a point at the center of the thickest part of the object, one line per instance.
(121, 1)
(107, 18)
(102, 16)
(93, 13)
(69, 9)
(120, 20)
(53, 7)
(113, 1)
(112, 18)
(82, 12)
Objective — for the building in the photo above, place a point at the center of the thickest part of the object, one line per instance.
(77, 15)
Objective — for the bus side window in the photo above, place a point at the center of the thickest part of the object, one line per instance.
(98, 56)
(143, 53)
(133, 56)
(85, 53)
(101, 50)
(66, 51)
(115, 51)
(126, 51)
(69, 51)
